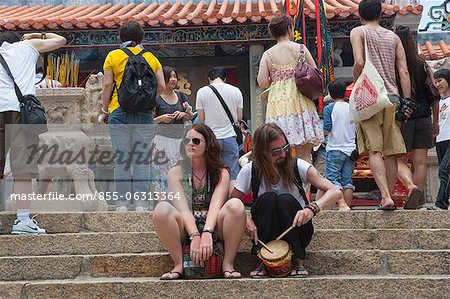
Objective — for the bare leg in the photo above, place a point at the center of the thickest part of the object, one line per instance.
(420, 167)
(379, 174)
(404, 173)
(348, 196)
(170, 229)
(22, 185)
(391, 171)
(230, 189)
(230, 228)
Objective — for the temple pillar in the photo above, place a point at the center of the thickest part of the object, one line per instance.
(257, 108)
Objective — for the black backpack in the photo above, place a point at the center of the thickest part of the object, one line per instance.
(256, 181)
(137, 92)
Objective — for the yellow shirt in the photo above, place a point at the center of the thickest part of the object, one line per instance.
(116, 60)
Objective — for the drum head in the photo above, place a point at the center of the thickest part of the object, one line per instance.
(280, 249)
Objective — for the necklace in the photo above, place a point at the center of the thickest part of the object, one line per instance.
(200, 179)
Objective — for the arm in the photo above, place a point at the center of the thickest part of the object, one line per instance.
(402, 68)
(52, 42)
(357, 41)
(308, 57)
(201, 115)
(240, 113)
(160, 80)
(108, 83)
(327, 124)
(330, 196)
(264, 72)
(435, 109)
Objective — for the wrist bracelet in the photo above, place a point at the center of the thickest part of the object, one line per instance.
(103, 110)
(192, 235)
(207, 230)
(312, 209)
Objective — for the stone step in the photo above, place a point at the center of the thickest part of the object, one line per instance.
(142, 222)
(147, 242)
(320, 262)
(344, 287)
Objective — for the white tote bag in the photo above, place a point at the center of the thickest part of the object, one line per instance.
(369, 95)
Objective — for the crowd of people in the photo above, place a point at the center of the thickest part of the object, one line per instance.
(202, 159)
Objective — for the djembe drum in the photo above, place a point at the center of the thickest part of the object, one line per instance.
(278, 263)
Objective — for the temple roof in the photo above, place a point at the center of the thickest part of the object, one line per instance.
(164, 14)
(434, 52)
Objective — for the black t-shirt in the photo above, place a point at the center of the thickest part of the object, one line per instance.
(424, 110)
(174, 128)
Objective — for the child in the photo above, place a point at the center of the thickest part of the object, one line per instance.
(340, 144)
(442, 78)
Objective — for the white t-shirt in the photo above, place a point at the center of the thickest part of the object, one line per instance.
(244, 181)
(444, 120)
(215, 116)
(21, 58)
(342, 135)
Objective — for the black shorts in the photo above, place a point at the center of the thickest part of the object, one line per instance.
(20, 145)
(418, 133)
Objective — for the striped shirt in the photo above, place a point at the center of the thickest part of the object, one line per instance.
(382, 47)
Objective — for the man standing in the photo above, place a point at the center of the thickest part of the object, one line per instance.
(381, 133)
(129, 95)
(21, 54)
(211, 112)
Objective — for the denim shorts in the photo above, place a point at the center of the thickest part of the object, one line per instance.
(230, 155)
(339, 169)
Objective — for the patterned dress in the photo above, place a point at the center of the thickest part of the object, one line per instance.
(294, 113)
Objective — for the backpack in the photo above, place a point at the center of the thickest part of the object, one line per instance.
(137, 92)
(256, 181)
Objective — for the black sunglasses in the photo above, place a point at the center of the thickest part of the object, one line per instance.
(195, 141)
(279, 150)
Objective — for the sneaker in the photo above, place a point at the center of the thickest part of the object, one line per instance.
(122, 209)
(435, 208)
(30, 227)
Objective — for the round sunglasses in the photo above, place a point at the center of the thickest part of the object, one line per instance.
(195, 141)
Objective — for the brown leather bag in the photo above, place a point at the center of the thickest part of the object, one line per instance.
(309, 80)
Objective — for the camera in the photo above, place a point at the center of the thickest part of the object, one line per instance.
(404, 105)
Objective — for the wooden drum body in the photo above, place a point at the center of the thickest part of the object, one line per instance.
(278, 263)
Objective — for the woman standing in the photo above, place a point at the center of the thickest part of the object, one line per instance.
(294, 113)
(419, 131)
(172, 110)
(201, 211)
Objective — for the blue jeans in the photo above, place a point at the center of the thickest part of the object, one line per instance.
(230, 155)
(339, 169)
(131, 135)
(443, 153)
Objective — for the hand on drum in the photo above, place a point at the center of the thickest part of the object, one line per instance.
(250, 229)
(302, 217)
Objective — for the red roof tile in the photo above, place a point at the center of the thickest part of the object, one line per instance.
(206, 12)
(434, 52)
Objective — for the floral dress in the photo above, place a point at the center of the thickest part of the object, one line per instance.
(294, 113)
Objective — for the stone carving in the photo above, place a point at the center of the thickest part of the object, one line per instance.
(337, 59)
(91, 104)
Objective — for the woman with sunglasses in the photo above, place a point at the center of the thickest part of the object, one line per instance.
(172, 110)
(201, 213)
(278, 184)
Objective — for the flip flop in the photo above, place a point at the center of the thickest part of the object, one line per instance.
(258, 270)
(387, 208)
(230, 274)
(299, 268)
(180, 275)
(413, 200)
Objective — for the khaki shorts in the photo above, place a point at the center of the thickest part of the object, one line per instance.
(20, 145)
(381, 133)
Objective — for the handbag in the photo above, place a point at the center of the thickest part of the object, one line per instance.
(236, 128)
(309, 80)
(32, 113)
(431, 92)
(369, 95)
(212, 268)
